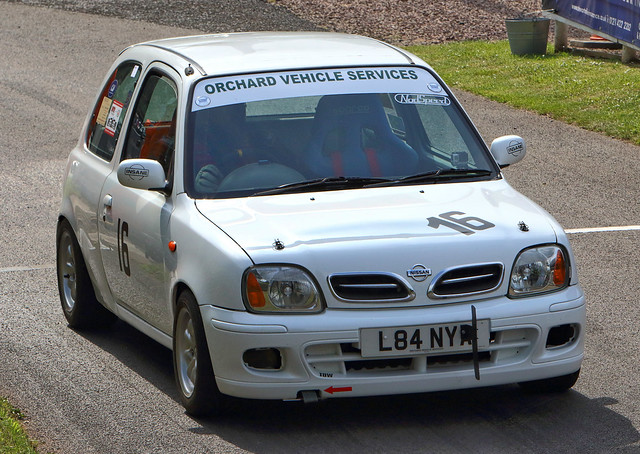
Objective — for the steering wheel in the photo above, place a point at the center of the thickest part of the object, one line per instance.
(258, 175)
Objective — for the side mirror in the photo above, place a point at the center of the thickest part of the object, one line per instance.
(508, 150)
(144, 174)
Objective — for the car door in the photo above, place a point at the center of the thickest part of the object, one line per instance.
(134, 227)
(90, 164)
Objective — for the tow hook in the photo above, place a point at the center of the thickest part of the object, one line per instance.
(308, 397)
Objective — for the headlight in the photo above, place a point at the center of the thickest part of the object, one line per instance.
(280, 288)
(539, 269)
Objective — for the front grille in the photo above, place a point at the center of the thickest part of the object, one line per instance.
(344, 359)
(397, 363)
(359, 287)
(467, 280)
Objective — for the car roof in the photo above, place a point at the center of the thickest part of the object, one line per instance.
(265, 51)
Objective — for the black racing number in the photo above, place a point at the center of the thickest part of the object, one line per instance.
(466, 225)
(123, 249)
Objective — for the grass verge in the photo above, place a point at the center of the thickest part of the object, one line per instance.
(13, 439)
(599, 95)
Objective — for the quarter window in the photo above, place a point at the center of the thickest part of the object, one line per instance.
(107, 117)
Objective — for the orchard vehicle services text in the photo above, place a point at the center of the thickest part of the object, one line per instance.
(222, 91)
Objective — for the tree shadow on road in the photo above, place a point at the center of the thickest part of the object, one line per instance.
(492, 420)
(496, 419)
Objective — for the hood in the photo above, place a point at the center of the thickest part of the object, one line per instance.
(385, 230)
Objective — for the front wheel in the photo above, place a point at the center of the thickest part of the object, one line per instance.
(191, 361)
(551, 385)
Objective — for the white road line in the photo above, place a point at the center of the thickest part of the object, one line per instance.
(605, 229)
(13, 269)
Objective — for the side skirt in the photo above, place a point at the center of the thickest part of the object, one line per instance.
(144, 327)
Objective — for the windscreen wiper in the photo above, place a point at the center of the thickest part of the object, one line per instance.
(434, 176)
(323, 184)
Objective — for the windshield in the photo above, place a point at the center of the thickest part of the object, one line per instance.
(325, 130)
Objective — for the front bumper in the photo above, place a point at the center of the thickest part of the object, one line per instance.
(320, 353)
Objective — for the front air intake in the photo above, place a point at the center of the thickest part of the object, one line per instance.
(467, 280)
(376, 287)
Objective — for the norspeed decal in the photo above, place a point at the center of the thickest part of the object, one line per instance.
(417, 98)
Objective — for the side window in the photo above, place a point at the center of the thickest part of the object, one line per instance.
(107, 117)
(153, 125)
(445, 137)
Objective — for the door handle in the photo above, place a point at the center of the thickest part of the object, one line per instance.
(107, 203)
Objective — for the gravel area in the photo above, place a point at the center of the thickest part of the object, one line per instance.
(415, 21)
(398, 21)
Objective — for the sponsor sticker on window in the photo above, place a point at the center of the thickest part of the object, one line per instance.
(113, 118)
(101, 119)
(415, 82)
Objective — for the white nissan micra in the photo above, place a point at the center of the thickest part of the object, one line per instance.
(306, 216)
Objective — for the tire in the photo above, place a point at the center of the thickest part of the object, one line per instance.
(79, 304)
(192, 366)
(551, 385)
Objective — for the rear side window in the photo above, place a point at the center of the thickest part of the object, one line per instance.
(110, 110)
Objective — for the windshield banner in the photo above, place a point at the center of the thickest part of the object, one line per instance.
(222, 91)
(617, 18)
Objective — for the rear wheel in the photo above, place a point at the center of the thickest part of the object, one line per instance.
(551, 385)
(79, 303)
(191, 360)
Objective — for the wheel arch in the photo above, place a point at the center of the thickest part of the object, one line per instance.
(97, 277)
(178, 288)
(86, 309)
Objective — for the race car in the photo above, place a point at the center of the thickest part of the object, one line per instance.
(303, 216)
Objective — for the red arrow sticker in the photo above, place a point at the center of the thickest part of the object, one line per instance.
(332, 390)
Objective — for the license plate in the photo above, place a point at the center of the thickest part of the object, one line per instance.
(408, 340)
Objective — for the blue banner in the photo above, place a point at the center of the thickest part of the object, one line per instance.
(617, 18)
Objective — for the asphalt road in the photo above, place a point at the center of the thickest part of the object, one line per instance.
(113, 391)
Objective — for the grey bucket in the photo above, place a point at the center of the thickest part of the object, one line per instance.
(528, 36)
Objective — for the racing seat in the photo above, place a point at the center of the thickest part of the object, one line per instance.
(351, 136)
(159, 140)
